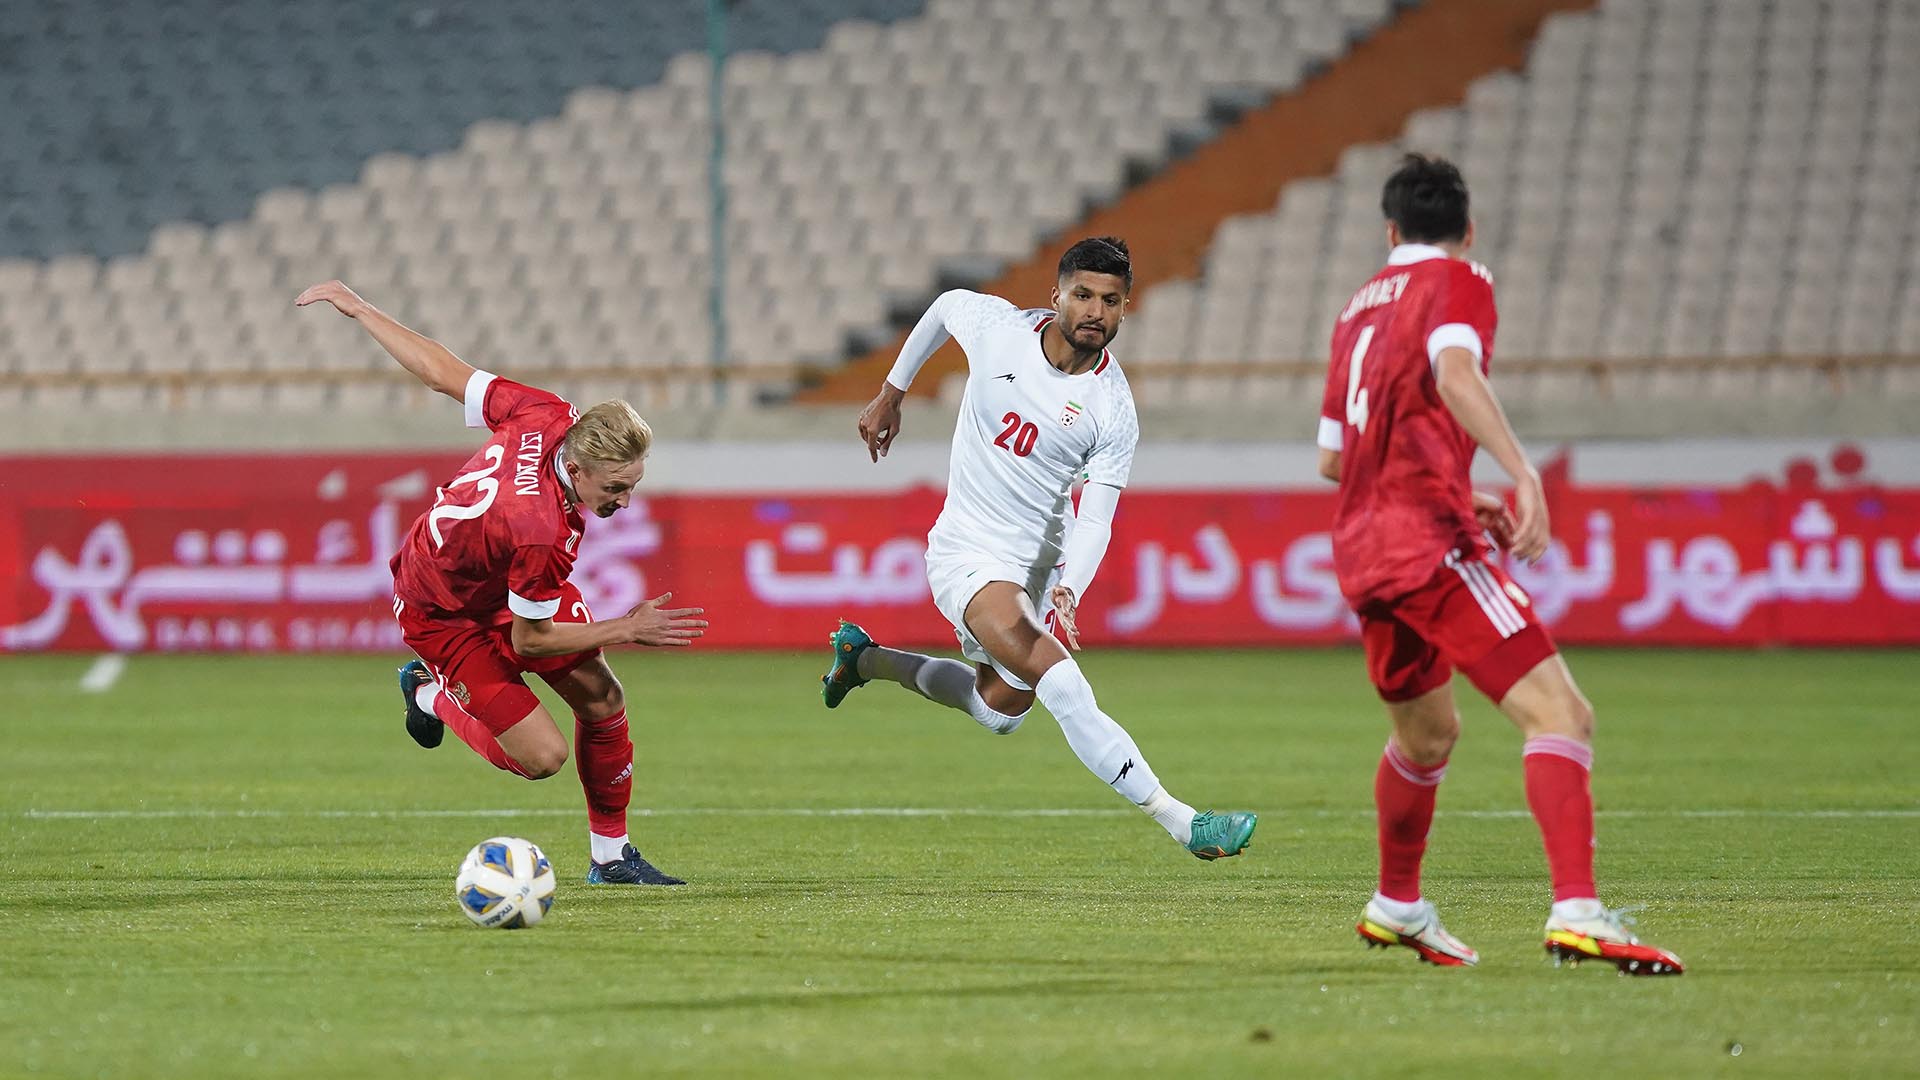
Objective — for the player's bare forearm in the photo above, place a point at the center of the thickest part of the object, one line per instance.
(1469, 397)
(548, 638)
(650, 623)
(1464, 390)
(429, 361)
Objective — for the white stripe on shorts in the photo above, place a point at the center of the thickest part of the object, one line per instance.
(1499, 610)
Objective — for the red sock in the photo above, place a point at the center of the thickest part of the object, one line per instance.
(603, 755)
(473, 732)
(1557, 791)
(1403, 795)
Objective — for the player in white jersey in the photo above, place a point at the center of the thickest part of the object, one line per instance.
(1045, 406)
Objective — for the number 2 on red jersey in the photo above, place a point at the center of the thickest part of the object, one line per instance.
(482, 480)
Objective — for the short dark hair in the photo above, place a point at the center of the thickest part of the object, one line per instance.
(1427, 199)
(1099, 255)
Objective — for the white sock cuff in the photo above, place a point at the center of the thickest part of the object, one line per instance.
(605, 849)
(996, 721)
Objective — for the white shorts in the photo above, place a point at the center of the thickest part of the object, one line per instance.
(956, 579)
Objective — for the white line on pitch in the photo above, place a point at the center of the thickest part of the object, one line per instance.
(104, 673)
(891, 812)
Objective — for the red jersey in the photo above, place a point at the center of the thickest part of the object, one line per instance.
(500, 538)
(1405, 497)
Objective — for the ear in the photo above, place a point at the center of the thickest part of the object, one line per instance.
(1055, 298)
(1467, 240)
(1393, 235)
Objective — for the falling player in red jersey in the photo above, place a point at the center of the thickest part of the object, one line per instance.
(1407, 402)
(481, 592)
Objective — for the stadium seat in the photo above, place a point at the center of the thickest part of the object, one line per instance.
(1627, 205)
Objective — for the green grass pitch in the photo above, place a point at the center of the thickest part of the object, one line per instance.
(238, 867)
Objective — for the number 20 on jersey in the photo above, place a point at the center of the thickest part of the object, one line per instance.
(1019, 436)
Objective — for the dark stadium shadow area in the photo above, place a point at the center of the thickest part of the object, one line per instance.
(889, 994)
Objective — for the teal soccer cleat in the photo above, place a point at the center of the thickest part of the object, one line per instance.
(844, 676)
(1221, 836)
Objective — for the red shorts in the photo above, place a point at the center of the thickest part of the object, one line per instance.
(477, 664)
(1469, 615)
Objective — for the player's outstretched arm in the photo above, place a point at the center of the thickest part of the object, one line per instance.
(1092, 532)
(651, 623)
(954, 313)
(1469, 397)
(431, 362)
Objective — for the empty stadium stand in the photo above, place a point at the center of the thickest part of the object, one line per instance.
(1706, 182)
(578, 244)
(122, 117)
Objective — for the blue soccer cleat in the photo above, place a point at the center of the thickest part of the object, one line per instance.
(844, 676)
(629, 869)
(426, 728)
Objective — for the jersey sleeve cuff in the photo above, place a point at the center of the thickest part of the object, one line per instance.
(1454, 335)
(532, 609)
(476, 402)
(1332, 436)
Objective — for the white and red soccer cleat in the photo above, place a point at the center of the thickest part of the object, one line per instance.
(1422, 933)
(1603, 935)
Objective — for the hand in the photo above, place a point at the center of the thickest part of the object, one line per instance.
(1492, 514)
(1530, 532)
(880, 420)
(653, 623)
(1065, 606)
(335, 292)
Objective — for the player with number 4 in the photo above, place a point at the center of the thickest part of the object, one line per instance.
(481, 592)
(1407, 402)
(1045, 405)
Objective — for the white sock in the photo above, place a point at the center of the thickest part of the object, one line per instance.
(1398, 910)
(1101, 745)
(606, 849)
(1579, 907)
(1173, 815)
(424, 695)
(948, 682)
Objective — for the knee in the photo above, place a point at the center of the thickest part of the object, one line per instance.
(1580, 717)
(1430, 744)
(1571, 716)
(544, 762)
(610, 705)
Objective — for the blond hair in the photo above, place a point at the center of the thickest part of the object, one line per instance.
(610, 435)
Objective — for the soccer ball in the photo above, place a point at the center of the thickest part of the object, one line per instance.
(506, 882)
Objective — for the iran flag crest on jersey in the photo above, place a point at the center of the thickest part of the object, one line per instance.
(1070, 414)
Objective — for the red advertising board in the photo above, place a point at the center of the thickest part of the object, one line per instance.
(277, 553)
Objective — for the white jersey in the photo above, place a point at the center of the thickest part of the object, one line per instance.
(1026, 432)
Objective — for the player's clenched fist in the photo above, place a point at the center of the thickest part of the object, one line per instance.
(653, 623)
(335, 292)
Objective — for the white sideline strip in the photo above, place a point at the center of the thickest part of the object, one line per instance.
(887, 812)
(104, 673)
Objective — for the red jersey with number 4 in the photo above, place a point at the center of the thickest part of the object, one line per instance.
(1405, 497)
(501, 537)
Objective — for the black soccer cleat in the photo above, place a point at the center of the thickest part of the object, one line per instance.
(426, 728)
(631, 868)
